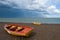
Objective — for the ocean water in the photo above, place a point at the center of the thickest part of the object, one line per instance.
(30, 20)
(8, 14)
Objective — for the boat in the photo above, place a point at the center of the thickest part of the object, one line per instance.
(18, 30)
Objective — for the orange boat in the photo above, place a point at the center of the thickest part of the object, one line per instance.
(18, 30)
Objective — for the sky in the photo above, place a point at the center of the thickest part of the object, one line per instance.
(51, 6)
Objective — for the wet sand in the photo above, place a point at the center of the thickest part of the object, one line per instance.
(40, 32)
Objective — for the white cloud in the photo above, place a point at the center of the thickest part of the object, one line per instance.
(38, 4)
(53, 9)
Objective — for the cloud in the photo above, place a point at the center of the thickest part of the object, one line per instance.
(28, 4)
(16, 3)
(7, 3)
(47, 5)
(37, 4)
(53, 9)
